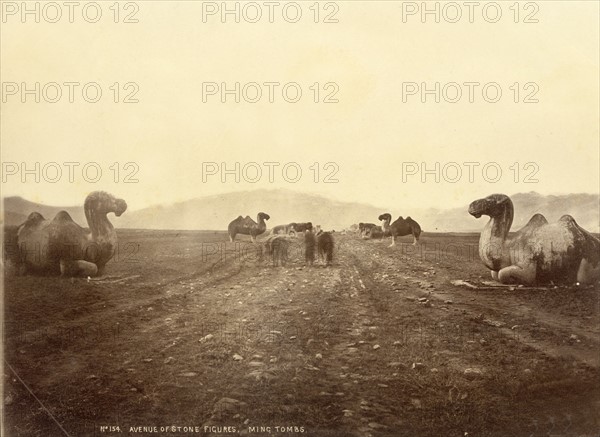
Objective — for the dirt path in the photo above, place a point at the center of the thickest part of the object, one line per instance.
(549, 332)
(380, 343)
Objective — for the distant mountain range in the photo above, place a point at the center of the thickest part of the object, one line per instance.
(215, 212)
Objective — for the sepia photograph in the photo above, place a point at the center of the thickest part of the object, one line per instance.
(300, 218)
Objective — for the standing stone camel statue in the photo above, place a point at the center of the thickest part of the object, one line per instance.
(247, 226)
(400, 228)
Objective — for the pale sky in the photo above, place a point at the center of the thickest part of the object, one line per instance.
(369, 54)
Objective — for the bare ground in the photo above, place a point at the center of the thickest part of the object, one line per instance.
(189, 331)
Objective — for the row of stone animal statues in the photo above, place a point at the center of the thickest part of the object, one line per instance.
(294, 228)
(247, 226)
(540, 252)
(277, 245)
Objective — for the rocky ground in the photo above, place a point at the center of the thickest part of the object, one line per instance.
(190, 335)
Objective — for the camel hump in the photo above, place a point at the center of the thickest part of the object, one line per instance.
(62, 216)
(34, 220)
(568, 220)
(589, 244)
(537, 220)
(237, 220)
(34, 217)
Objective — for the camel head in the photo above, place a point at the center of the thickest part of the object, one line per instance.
(493, 205)
(385, 217)
(103, 203)
(264, 216)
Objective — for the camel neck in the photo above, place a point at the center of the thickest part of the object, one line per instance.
(98, 223)
(385, 225)
(500, 224)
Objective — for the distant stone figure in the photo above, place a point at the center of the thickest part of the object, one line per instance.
(400, 228)
(363, 228)
(247, 226)
(309, 247)
(540, 252)
(276, 247)
(295, 228)
(280, 230)
(325, 246)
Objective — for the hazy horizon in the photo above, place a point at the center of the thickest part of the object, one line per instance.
(285, 206)
(327, 197)
(371, 134)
